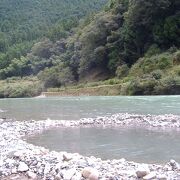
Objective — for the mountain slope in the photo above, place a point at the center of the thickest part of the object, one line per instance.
(22, 22)
(135, 42)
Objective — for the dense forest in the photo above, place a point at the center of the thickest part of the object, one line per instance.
(134, 43)
(24, 22)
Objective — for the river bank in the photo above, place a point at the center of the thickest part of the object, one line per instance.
(101, 90)
(18, 158)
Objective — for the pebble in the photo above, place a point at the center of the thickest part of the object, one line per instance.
(93, 176)
(31, 175)
(142, 171)
(67, 157)
(90, 173)
(150, 176)
(86, 172)
(162, 177)
(67, 175)
(22, 167)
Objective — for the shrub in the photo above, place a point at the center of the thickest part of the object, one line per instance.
(139, 87)
(157, 74)
(122, 71)
(168, 85)
(146, 65)
(163, 63)
(19, 88)
(176, 58)
(153, 50)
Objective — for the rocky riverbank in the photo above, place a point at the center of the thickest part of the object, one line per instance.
(20, 160)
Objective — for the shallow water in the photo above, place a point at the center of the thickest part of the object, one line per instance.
(138, 145)
(134, 144)
(73, 108)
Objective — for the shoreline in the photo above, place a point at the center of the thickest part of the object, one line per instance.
(21, 159)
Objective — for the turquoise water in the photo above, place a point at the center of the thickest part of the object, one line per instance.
(138, 145)
(73, 108)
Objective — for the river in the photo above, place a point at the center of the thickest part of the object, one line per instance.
(74, 108)
(139, 145)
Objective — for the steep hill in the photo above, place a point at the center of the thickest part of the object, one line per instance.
(132, 43)
(22, 22)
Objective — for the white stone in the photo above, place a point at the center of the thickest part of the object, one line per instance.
(18, 154)
(31, 175)
(87, 171)
(150, 176)
(67, 175)
(77, 176)
(14, 171)
(22, 167)
(67, 157)
(162, 177)
(47, 168)
(93, 176)
(174, 164)
(142, 171)
(122, 160)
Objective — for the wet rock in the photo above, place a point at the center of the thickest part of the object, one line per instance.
(23, 167)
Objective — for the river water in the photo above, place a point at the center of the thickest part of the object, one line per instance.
(139, 145)
(73, 108)
(134, 144)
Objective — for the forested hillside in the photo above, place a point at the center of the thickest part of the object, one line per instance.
(134, 43)
(23, 22)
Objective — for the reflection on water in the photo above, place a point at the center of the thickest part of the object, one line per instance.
(73, 108)
(133, 144)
